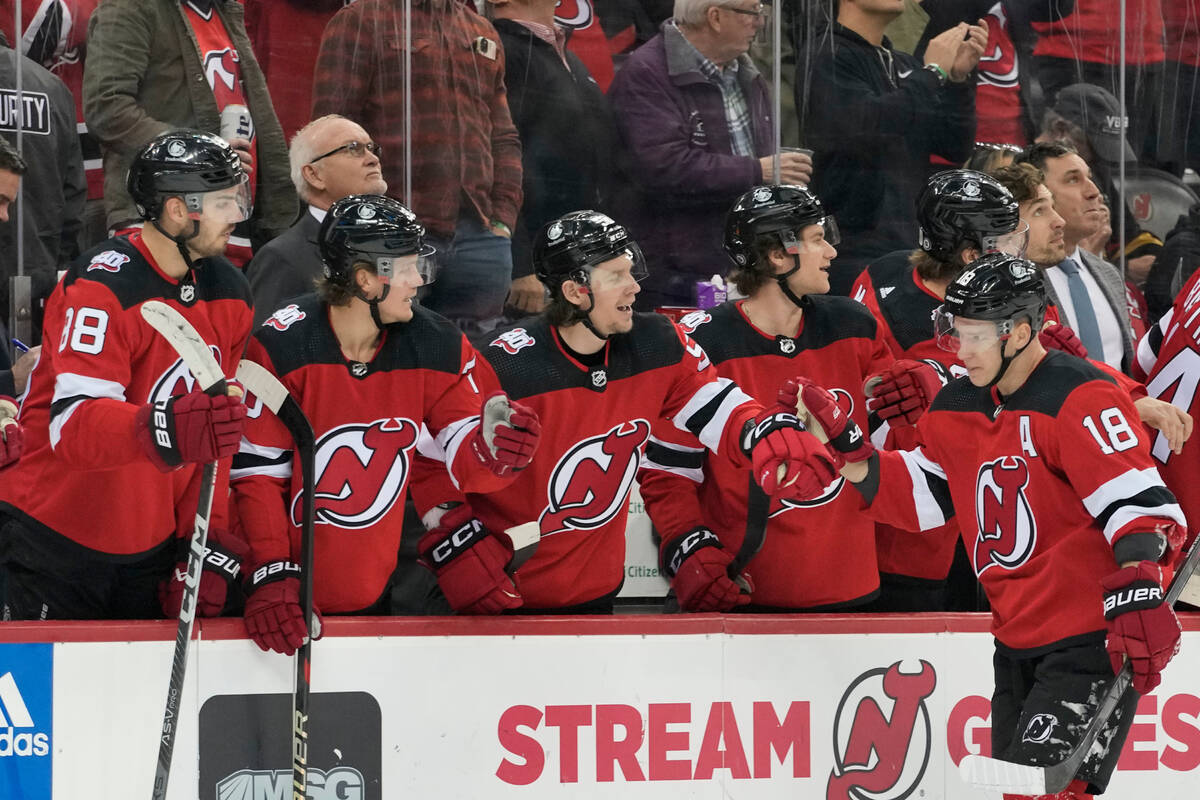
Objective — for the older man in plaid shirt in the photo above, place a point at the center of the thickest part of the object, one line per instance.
(466, 155)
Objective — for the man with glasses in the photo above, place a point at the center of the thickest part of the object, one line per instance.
(696, 117)
(332, 157)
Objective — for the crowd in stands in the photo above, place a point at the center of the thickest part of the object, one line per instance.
(490, 119)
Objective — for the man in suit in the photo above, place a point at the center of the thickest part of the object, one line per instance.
(1089, 291)
(331, 157)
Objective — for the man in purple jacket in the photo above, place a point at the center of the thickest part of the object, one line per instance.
(695, 115)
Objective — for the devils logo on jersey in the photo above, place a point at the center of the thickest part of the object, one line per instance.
(589, 484)
(574, 13)
(222, 65)
(1007, 528)
(177, 380)
(998, 66)
(361, 470)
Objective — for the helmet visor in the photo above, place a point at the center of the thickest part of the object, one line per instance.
(793, 240)
(623, 265)
(1013, 243)
(227, 206)
(953, 334)
(418, 268)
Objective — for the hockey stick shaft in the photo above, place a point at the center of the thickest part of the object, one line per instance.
(200, 361)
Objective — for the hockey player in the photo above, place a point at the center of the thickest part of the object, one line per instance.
(100, 508)
(375, 374)
(1067, 524)
(604, 375)
(818, 554)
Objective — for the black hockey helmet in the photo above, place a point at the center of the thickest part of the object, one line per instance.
(774, 209)
(996, 287)
(960, 206)
(568, 247)
(375, 229)
(184, 163)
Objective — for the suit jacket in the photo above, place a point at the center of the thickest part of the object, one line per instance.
(285, 267)
(1113, 286)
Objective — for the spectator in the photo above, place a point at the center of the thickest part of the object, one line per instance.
(13, 377)
(874, 116)
(1088, 291)
(54, 191)
(988, 156)
(1179, 259)
(1179, 130)
(331, 158)
(567, 135)
(465, 152)
(139, 83)
(694, 113)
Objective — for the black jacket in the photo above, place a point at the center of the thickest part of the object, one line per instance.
(568, 142)
(873, 117)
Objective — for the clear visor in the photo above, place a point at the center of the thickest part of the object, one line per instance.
(1013, 243)
(227, 206)
(794, 240)
(629, 265)
(415, 269)
(952, 334)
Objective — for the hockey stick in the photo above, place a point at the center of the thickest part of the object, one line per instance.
(274, 395)
(203, 365)
(1005, 776)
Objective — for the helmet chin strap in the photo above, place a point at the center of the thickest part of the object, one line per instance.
(585, 316)
(781, 279)
(373, 304)
(1006, 362)
(181, 241)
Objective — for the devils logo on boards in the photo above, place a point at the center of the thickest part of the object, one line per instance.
(1007, 528)
(591, 481)
(361, 470)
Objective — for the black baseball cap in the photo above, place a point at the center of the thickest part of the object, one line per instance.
(1098, 112)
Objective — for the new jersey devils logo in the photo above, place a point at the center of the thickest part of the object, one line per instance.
(876, 757)
(998, 66)
(361, 470)
(1007, 529)
(221, 65)
(574, 13)
(177, 380)
(590, 482)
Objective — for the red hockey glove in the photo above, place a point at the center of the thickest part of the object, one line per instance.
(469, 563)
(698, 567)
(273, 615)
(902, 392)
(1141, 626)
(190, 428)
(12, 437)
(786, 459)
(222, 564)
(844, 435)
(508, 435)
(1061, 337)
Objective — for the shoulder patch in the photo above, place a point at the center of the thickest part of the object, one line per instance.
(689, 322)
(513, 341)
(109, 261)
(285, 317)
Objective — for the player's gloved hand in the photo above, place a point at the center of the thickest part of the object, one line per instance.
(508, 434)
(845, 437)
(1061, 337)
(901, 393)
(698, 567)
(469, 563)
(190, 428)
(223, 554)
(273, 616)
(787, 459)
(12, 437)
(1141, 626)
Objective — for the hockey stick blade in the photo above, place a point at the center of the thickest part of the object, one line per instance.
(194, 351)
(1005, 776)
(524, 538)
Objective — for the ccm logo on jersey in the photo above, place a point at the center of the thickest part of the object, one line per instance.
(512, 341)
(109, 261)
(285, 317)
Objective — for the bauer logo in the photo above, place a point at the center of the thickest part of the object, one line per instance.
(246, 745)
(26, 715)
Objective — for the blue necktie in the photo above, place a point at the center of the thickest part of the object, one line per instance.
(1085, 316)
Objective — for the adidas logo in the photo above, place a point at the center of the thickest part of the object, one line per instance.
(14, 715)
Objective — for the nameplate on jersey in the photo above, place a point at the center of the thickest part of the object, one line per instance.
(358, 369)
(786, 344)
(599, 379)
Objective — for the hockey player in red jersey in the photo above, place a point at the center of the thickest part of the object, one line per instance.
(604, 375)
(818, 554)
(98, 512)
(376, 375)
(1067, 523)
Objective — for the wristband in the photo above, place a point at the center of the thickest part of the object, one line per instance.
(498, 224)
(939, 72)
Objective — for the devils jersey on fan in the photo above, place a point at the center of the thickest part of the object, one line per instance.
(595, 426)
(1169, 356)
(1044, 485)
(84, 475)
(837, 346)
(367, 418)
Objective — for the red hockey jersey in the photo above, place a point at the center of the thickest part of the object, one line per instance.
(83, 474)
(816, 553)
(1169, 356)
(369, 419)
(595, 426)
(1043, 483)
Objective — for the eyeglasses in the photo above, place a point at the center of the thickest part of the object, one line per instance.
(356, 149)
(760, 11)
